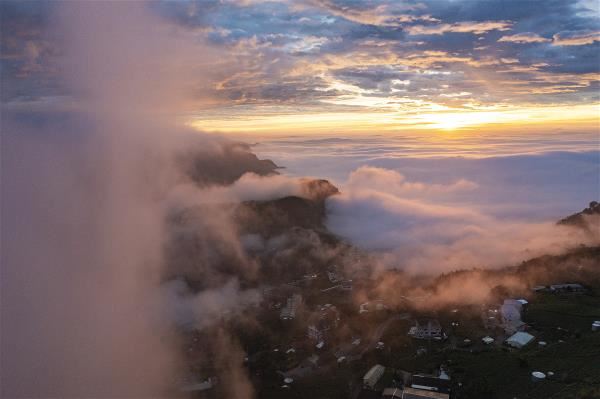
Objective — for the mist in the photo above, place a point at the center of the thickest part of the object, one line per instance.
(84, 311)
(434, 228)
(124, 231)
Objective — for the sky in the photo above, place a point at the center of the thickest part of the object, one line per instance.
(349, 66)
(500, 93)
(458, 133)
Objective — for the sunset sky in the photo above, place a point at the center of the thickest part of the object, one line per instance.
(166, 164)
(347, 66)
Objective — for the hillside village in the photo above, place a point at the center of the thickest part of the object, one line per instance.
(300, 199)
(328, 326)
(316, 339)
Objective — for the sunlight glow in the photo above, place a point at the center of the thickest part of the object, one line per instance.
(457, 120)
(432, 117)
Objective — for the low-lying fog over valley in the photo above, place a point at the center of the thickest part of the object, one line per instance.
(146, 256)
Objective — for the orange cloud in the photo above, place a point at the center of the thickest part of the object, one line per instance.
(525, 37)
(577, 38)
(461, 27)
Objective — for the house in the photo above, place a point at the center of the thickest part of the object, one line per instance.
(426, 329)
(372, 376)
(430, 383)
(288, 312)
(519, 339)
(321, 322)
(567, 288)
(411, 393)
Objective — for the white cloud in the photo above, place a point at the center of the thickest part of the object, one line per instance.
(391, 181)
(460, 27)
(425, 228)
(576, 38)
(381, 15)
(249, 187)
(525, 37)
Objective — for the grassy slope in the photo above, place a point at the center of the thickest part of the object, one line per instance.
(575, 361)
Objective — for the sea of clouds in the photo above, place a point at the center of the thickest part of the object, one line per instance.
(86, 310)
(428, 204)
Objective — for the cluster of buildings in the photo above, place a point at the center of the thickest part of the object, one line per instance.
(427, 329)
(410, 386)
(567, 288)
(508, 316)
(563, 288)
(322, 322)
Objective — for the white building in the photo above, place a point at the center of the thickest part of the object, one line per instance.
(373, 375)
(519, 339)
